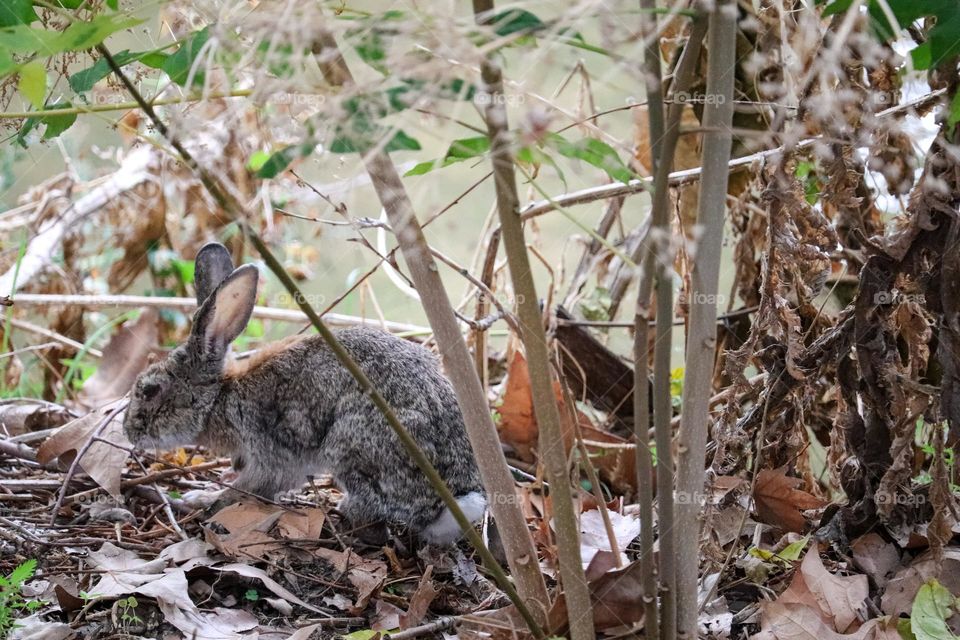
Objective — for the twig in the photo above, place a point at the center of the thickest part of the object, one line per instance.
(552, 453)
(121, 106)
(189, 304)
(603, 192)
(47, 333)
(704, 278)
(82, 452)
(437, 626)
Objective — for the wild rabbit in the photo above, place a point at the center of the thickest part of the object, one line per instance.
(293, 410)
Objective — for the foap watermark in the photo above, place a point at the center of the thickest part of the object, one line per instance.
(897, 297)
(682, 97)
(312, 299)
(697, 297)
(684, 497)
(297, 99)
(482, 98)
(504, 498)
(903, 499)
(500, 298)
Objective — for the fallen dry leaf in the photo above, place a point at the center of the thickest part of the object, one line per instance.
(366, 574)
(901, 589)
(102, 462)
(799, 622)
(124, 357)
(779, 502)
(386, 616)
(254, 528)
(594, 538)
(613, 456)
(836, 599)
(419, 601)
(616, 596)
(878, 558)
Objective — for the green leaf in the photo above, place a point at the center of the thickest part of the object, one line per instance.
(83, 81)
(33, 83)
(402, 142)
(593, 152)
(57, 124)
(84, 35)
(279, 161)
(29, 41)
(516, 21)
(931, 608)
(185, 269)
(179, 63)
(954, 116)
(22, 573)
(16, 12)
(794, 550)
(459, 151)
(7, 64)
(371, 38)
(114, 4)
(257, 160)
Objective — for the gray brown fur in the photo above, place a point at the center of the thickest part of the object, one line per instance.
(297, 411)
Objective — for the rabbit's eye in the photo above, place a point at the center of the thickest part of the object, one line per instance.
(149, 390)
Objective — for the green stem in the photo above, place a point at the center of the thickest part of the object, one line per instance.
(120, 106)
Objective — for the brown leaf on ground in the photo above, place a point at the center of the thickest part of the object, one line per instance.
(420, 601)
(365, 574)
(901, 589)
(616, 597)
(878, 558)
(836, 599)
(613, 456)
(799, 622)
(518, 425)
(124, 357)
(254, 528)
(779, 502)
(386, 616)
(102, 462)
(24, 416)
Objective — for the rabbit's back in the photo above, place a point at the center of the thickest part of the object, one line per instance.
(321, 420)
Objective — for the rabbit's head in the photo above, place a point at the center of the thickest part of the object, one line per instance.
(171, 400)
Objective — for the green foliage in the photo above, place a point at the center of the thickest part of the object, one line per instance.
(84, 80)
(807, 174)
(12, 603)
(128, 611)
(933, 605)
(676, 387)
(594, 152)
(941, 39)
(460, 150)
(370, 39)
(179, 63)
(16, 12)
(33, 83)
(271, 165)
(252, 595)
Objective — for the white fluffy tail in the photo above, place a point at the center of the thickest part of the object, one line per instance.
(445, 530)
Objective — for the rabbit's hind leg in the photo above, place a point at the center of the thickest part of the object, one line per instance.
(361, 507)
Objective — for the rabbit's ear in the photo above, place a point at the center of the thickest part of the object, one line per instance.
(224, 315)
(212, 266)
